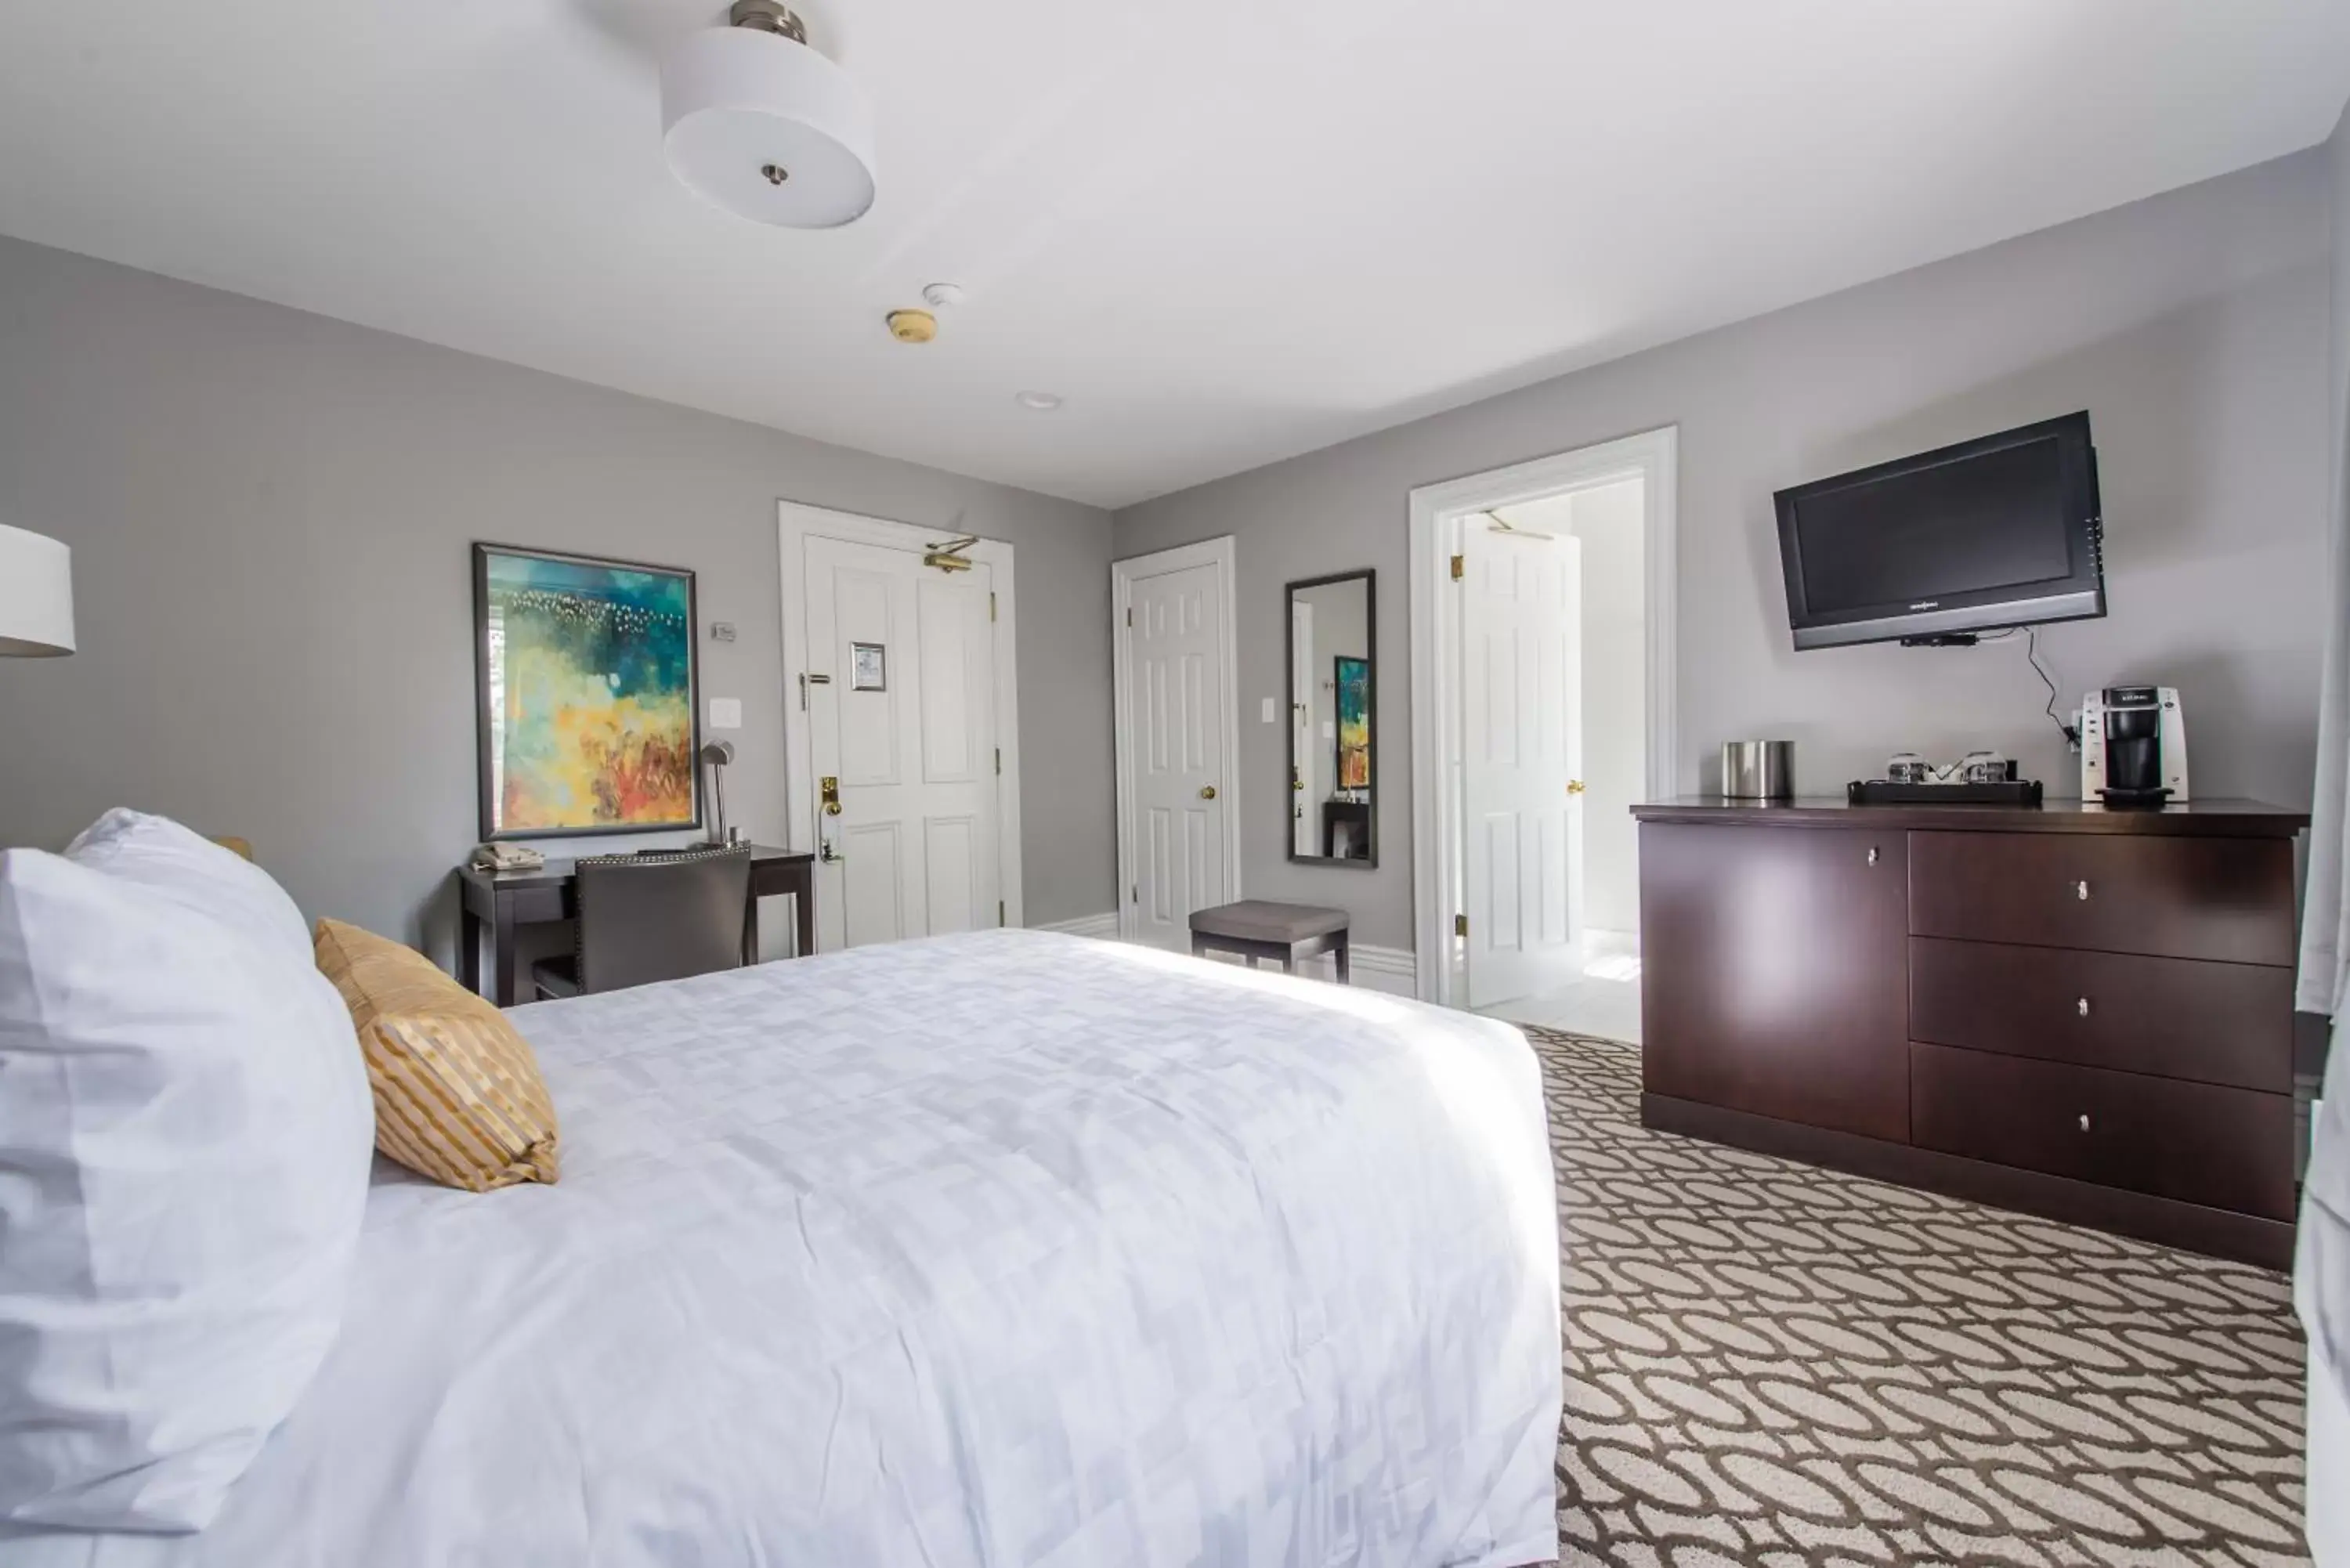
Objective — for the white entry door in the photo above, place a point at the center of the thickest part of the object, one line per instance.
(902, 719)
(1176, 720)
(1521, 721)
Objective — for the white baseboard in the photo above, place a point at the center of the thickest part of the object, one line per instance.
(1103, 928)
(1390, 969)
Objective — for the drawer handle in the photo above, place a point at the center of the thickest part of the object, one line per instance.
(2085, 1007)
(2085, 1121)
(2081, 891)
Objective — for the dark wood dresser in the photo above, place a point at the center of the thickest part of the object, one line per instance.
(2075, 1013)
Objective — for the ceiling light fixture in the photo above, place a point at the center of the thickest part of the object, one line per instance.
(1042, 402)
(758, 122)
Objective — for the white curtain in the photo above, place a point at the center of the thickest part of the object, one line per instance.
(2322, 1269)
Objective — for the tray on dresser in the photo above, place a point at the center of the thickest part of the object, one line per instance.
(1889, 792)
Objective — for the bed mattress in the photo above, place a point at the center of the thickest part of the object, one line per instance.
(998, 1249)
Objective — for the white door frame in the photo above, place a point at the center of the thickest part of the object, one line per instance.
(1217, 552)
(1437, 511)
(797, 523)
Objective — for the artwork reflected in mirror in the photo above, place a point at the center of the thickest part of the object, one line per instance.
(1333, 715)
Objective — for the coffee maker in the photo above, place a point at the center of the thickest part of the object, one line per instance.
(2133, 746)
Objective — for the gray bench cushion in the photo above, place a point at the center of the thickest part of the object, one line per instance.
(1262, 920)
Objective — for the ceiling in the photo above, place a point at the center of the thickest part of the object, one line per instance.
(1225, 233)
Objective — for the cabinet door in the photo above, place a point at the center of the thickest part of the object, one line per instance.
(1775, 973)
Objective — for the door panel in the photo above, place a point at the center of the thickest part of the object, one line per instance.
(868, 720)
(1523, 746)
(1175, 702)
(951, 872)
(1776, 974)
(1305, 786)
(910, 735)
(872, 886)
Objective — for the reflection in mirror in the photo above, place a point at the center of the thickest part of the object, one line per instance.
(1333, 692)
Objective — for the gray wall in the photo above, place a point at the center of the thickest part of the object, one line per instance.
(270, 516)
(2191, 327)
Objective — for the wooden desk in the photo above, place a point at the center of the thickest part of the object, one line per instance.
(504, 901)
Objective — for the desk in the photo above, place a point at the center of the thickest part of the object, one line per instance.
(504, 900)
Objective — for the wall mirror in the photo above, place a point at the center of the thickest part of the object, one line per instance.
(1333, 708)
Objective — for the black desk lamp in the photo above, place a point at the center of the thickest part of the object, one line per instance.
(718, 753)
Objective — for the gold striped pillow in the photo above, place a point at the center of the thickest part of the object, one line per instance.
(457, 1091)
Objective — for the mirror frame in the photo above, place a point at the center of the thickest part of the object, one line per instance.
(1369, 577)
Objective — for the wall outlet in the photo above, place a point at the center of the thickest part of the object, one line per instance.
(726, 712)
(1268, 710)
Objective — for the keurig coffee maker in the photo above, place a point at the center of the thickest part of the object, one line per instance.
(2133, 746)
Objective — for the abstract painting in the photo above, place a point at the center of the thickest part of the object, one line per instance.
(1354, 680)
(587, 695)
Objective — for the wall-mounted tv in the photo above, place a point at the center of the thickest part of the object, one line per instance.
(1995, 533)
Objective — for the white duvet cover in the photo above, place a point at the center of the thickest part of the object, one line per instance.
(998, 1249)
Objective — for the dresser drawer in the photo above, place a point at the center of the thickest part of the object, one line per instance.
(2198, 1143)
(2180, 1018)
(2222, 898)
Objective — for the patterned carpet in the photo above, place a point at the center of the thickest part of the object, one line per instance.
(1770, 1364)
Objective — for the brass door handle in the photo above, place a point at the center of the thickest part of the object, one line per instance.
(1207, 791)
(830, 787)
(1575, 786)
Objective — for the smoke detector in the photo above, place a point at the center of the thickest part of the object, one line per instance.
(759, 123)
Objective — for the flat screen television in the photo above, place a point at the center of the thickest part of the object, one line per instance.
(1995, 533)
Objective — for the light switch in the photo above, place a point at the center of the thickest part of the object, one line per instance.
(726, 712)
(1268, 710)
(1329, 729)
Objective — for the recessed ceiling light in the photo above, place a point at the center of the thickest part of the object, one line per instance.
(1042, 402)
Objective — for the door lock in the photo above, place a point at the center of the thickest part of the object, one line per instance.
(829, 788)
(1207, 791)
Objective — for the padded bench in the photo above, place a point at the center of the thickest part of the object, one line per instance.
(1259, 928)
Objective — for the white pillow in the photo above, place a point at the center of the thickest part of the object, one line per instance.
(185, 1131)
(185, 865)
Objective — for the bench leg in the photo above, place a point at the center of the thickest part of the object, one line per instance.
(1346, 970)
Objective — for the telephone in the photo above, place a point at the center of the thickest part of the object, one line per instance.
(495, 857)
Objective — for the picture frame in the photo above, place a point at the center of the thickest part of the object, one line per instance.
(587, 695)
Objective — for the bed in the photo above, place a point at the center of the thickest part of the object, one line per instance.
(1004, 1248)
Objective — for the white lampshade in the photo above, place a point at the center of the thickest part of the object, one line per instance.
(766, 127)
(36, 595)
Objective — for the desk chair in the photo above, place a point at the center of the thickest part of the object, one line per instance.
(647, 918)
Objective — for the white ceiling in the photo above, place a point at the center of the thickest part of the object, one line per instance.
(1225, 232)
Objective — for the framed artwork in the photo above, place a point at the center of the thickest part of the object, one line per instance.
(1353, 683)
(587, 695)
(870, 667)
